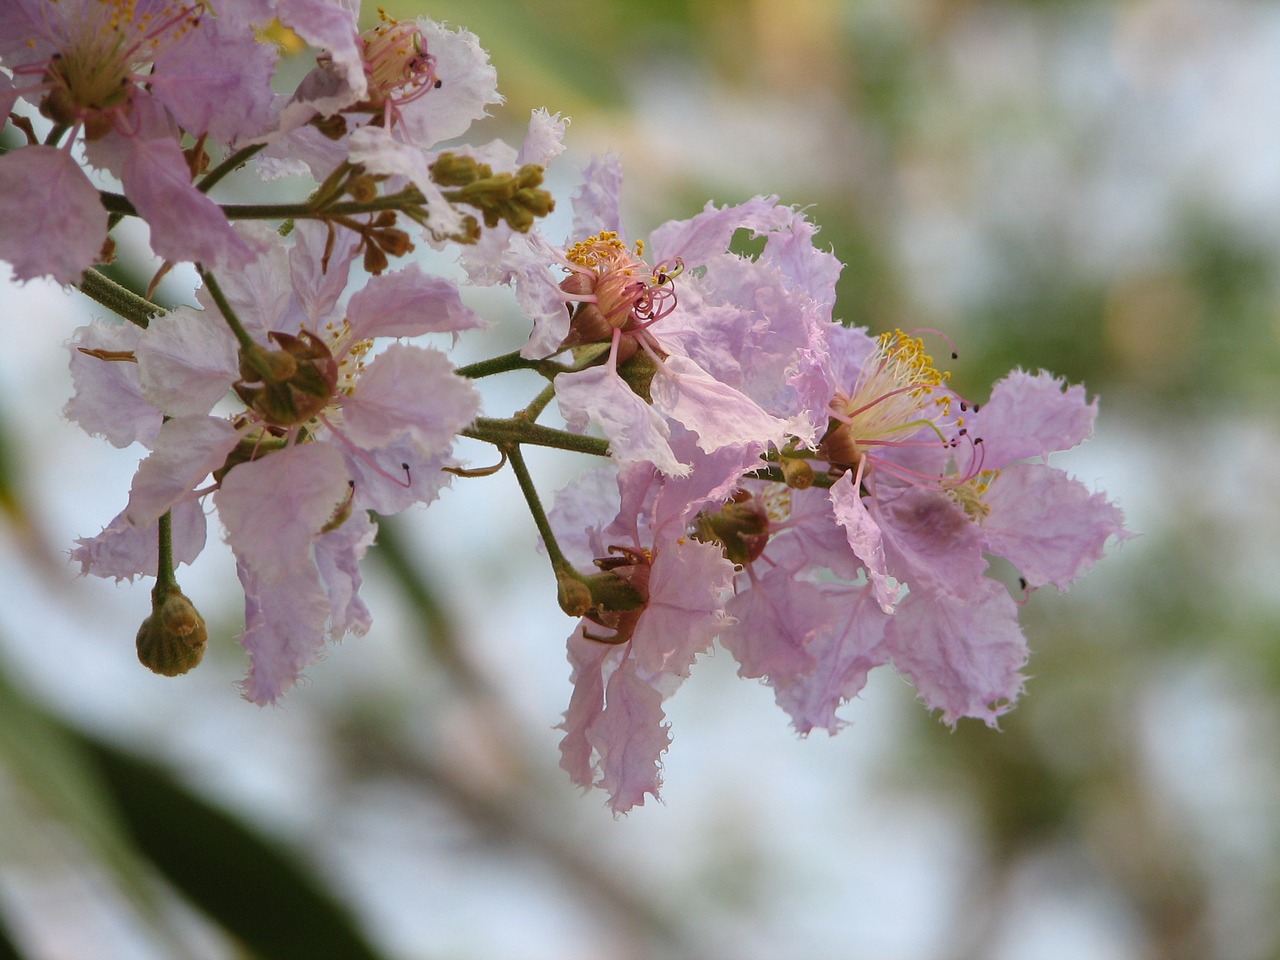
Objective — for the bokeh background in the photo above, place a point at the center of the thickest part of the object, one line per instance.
(1087, 187)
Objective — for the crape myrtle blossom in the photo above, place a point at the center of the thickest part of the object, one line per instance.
(341, 432)
(380, 99)
(125, 78)
(923, 489)
(928, 512)
(626, 662)
(679, 331)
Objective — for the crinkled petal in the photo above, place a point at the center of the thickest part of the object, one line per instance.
(338, 555)
(688, 584)
(630, 738)
(54, 223)
(597, 202)
(185, 223)
(577, 756)
(635, 430)
(108, 399)
(187, 361)
(408, 303)
(275, 507)
(397, 475)
(1047, 524)
(469, 84)
(217, 80)
(261, 291)
(965, 657)
(122, 551)
(1031, 416)
(544, 139)
(582, 507)
(865, 538)
(845, 648)
(773, 623)
(539, 296)
(187, 450)
(330, 25)
(409, 390)
(696, 240)
(720, 415)
(929, 542)
(319, 267)
(284, 628)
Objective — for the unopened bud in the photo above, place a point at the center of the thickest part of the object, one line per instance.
(375, 261)
(796, 473)
(456, 170)
(362, 188)
(574, 595)
(172, 639)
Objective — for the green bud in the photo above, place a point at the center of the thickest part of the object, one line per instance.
(457, 170)
(797, 473)
(574, 595)
(172, 639)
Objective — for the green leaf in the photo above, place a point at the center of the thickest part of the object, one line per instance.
(250, 886)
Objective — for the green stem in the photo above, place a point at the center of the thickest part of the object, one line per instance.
(505, 433)
(538, 404)
(55, 134)
(119, 204)
(242, 335)
(559, 563)
(502, 364)
(121, 300)
(165, 580)
(228, 165)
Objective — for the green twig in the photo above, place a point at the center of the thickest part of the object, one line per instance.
(99, 287)
(224, 307)
(538, 404)
(228, 165)
(504, 433)
(559, 563)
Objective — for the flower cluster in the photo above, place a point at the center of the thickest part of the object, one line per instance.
(816, 499)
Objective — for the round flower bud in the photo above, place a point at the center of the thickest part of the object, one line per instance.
(172, 639)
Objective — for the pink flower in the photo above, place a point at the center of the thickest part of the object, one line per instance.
(344, 430)
(680, 328)
(130, 78)
(627, 661)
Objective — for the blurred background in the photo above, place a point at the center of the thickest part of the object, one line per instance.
(1091, 188)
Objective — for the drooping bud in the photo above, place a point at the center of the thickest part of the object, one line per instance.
(172, 639)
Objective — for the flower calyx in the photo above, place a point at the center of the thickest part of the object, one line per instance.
(740, 528)
(290, 385)
(614, 598)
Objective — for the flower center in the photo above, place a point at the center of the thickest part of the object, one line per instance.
(894, 390)
(102, 53)
(898, 400)
(398, 65)
(628, 292)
